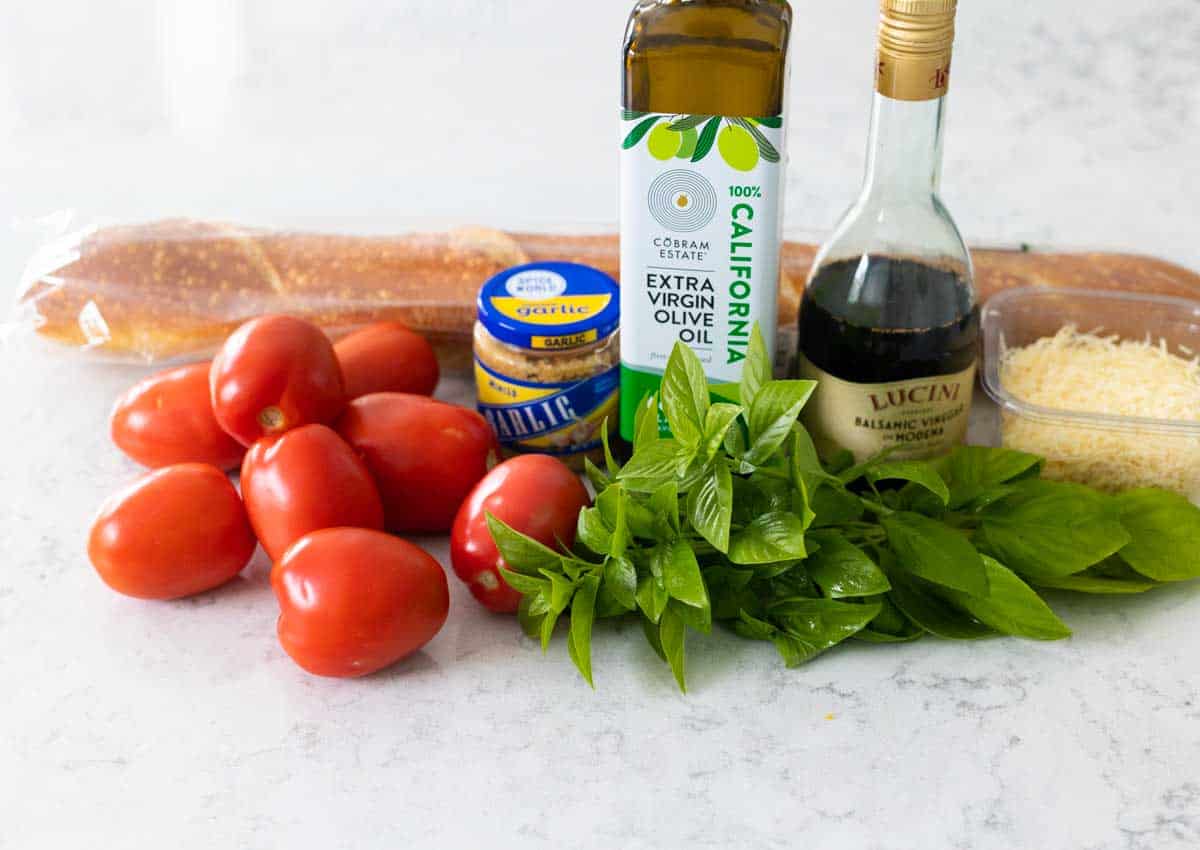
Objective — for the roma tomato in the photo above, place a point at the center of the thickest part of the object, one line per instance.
(274, 374)
(425, 455)
(174, 532)
(387, 357)
(305, 480)
(353, 601)
(168, 419)
(536, 495)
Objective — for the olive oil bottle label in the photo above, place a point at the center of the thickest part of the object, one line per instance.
(701, 200)
(917, 419)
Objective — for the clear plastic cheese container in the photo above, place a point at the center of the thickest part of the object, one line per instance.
(1104, 450)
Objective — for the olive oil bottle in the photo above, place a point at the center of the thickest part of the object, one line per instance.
(702, 175)
(889, 321)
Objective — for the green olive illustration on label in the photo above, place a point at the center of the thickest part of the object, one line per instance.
(688, 146)
(738, 148)
(742, 142)
(663, 142)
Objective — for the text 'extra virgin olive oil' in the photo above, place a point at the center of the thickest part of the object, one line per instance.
(889, 323)
(702, 174)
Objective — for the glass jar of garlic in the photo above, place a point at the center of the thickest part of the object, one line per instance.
(547, 363)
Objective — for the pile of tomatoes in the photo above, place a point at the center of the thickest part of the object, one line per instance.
(340, 449)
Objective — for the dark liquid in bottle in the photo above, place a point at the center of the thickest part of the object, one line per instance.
(879, 319)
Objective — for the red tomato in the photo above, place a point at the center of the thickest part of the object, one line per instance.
(387, 357)
(168, 419)
(353, 601)
(304, 480)
(174, 532)
(274, 374)
(425, 455)
(535, 494)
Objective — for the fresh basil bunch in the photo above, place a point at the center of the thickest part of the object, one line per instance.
(734, 519)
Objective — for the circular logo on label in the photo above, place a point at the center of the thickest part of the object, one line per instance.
(536, 285)
(682, 201)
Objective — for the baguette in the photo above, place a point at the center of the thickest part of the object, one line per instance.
(176, 288)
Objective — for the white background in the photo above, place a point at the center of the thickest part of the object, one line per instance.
(128, 725)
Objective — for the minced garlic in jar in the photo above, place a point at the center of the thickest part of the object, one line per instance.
(547, 363)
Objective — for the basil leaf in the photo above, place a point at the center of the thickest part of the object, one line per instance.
(620, 578)
(931, 612)
(650, 630)
(595, 477)
(521, 583)
(842, 569)
(639, 132)
(710, 506)
(614, 505)
(651, 466)
(910, 470)
(716, 425)
(592, 532)
(1048, 528)
(1089, 581)
(1165, 528)
(758, 495)
(812, 626)
(646, 427)
(651, 598)
(681, 574)
(664, 502)
(561, 590)
(756, 370)
(671, 634)
(753, 628)
(1011, 606)
(932, 550)
(972, 470)
(583, 615)
(610, 462)
(546, 632)
(775, 536)
(531, 621)
(776, 407)
(521, 553)
(869, 635)
(735, 443)
(805, 464)
(696, 619)
(685, 395)
(833, 505)
(626, 516)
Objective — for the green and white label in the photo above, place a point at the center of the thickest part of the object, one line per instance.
(701, 204)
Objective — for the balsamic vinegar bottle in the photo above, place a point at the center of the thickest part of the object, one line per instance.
(889, 321)
(703, 155)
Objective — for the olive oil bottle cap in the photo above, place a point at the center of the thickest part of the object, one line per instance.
(915, 41)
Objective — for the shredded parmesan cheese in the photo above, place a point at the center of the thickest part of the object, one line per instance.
(1090, 373)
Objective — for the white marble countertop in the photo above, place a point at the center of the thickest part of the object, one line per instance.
(132, 725)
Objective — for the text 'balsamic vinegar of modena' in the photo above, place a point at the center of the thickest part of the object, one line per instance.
(702, 173)
(889, 321)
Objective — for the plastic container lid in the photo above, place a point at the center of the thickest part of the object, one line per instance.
(550, 306)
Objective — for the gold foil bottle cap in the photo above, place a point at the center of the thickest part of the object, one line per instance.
(915, 42)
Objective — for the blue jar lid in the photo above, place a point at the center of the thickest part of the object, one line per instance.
(550, 306)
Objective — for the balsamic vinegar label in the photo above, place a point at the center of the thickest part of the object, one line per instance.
(701, 200)
(918, 418)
